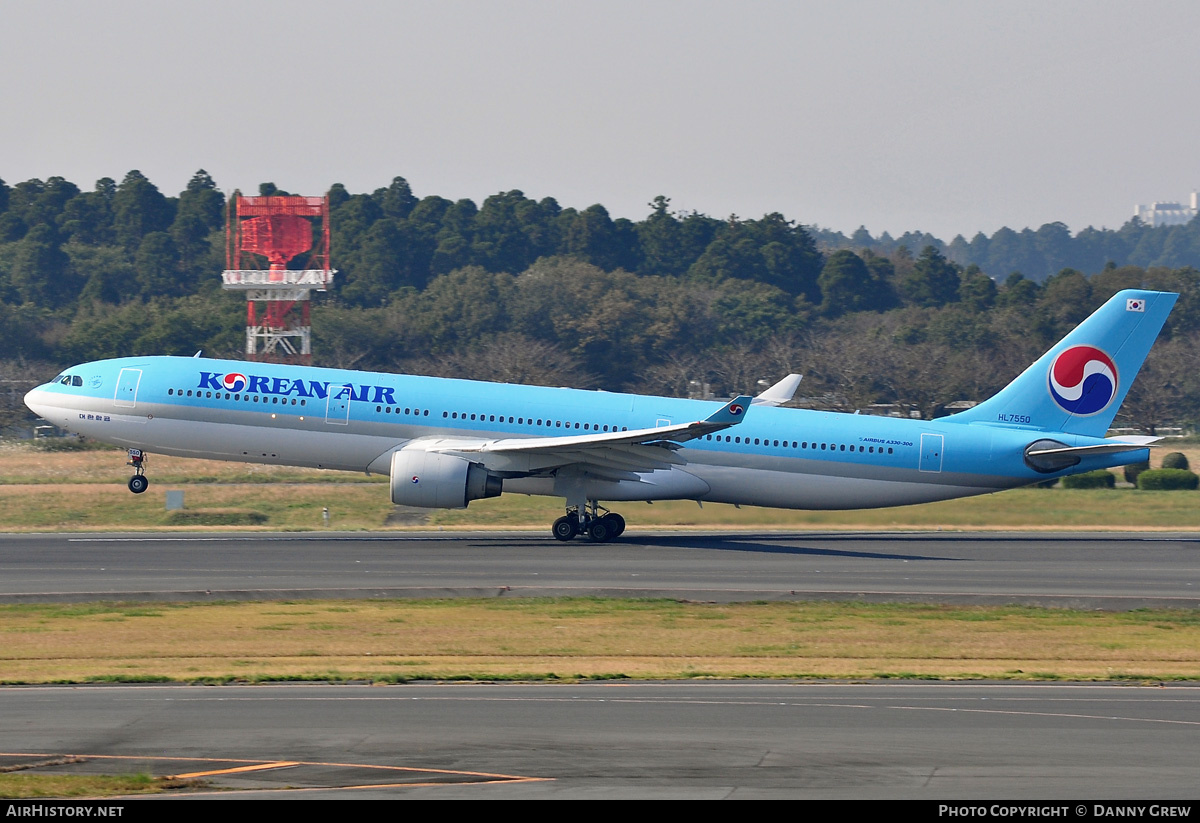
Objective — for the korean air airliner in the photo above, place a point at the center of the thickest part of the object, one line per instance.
(446, 442)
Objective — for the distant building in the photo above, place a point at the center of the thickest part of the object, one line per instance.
(1168, 214)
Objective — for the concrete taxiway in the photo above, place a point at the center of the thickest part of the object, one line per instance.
(606, 741)
(1093, 571)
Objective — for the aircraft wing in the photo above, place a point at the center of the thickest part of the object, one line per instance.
(780, 393)
(612, 455)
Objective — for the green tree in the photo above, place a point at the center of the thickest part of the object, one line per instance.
(200, 213)
(455, 238)
(847, 285)
(41, 272)
(661, 241)
(110, 275)
(592, 237)
(977, 292)
(933, 280)
(506, 231)
(88, 217)
(139, 209)
(156, 266)
(397, 200)
(772, 250)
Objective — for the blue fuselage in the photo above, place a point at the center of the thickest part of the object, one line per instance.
(352, 420)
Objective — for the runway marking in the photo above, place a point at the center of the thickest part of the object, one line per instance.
(1049, 714)
(282, 764)
(481, 778)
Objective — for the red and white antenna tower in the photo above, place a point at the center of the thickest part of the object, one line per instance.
(279, 228)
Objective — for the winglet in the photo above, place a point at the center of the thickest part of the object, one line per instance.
(732, 412)
(780, 393)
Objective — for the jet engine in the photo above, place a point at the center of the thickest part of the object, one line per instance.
(432, 480)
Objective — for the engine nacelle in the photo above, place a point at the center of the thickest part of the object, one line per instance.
(432, 480)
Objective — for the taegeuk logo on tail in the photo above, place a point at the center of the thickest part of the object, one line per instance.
(1083, 380)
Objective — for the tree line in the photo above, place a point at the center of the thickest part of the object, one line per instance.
(525, 290)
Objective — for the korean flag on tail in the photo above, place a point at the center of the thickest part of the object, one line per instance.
(1135, 304)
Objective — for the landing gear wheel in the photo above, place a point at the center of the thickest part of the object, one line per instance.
(600, 530)
(138, 483)
(616, 524)
(565, 527)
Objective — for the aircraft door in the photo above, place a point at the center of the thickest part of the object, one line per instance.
(127, 388)
(337, 405)
(931, 452)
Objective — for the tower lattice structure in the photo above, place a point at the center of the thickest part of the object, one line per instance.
(279, 228)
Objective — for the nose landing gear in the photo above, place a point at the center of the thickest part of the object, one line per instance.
(139, 482)
(600, 528)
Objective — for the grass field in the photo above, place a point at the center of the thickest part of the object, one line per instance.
(569, 639)
(85, 490)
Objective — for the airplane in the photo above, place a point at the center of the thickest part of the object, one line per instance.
(445, 442)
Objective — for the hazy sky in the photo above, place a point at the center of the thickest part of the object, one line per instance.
(947, 117)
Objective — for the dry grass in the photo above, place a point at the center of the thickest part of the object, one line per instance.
(565, 639)
(85, 490)
(110, 506)
(23, 464)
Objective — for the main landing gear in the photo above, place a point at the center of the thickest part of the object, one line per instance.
(139, 482)
(600, 528)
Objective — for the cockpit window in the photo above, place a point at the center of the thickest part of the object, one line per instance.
(69, 380)
(76, 380)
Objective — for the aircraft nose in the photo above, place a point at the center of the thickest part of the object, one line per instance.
(35, 399)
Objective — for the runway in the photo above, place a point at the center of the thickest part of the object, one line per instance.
(1088, 571)
(629, 741)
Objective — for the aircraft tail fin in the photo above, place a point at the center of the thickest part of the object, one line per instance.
(1078, 386)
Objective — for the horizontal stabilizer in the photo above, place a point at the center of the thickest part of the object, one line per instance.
(1086, 451)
